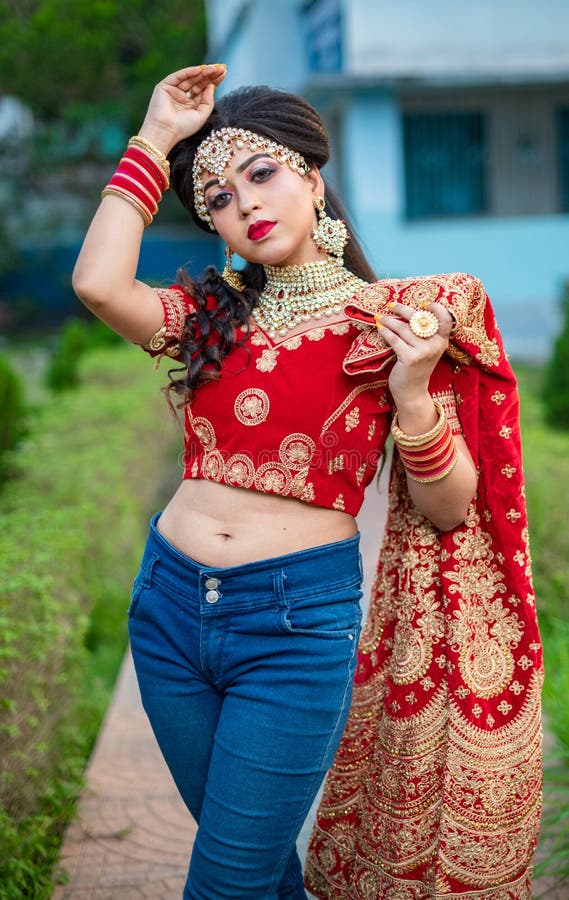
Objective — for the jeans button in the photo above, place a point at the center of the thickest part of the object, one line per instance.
(212, 596)
(212, 583)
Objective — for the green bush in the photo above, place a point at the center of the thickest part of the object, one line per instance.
(63, 368)
(77, 336)
(73, 524)
(12, 410)
(556, 377)
(546, 466)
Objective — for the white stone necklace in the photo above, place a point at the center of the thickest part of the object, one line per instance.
(296, 294)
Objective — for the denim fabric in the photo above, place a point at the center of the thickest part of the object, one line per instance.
(246, 676)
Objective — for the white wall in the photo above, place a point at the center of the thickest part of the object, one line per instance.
(429, 37)
(260, 41)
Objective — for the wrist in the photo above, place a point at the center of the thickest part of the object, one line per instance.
(162, 138)
(416, 414)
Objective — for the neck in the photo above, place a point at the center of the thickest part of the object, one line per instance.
(296, 294)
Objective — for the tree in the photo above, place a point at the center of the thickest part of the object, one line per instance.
(69, 59)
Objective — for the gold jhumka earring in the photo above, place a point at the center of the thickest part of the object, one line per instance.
(330, 235)
(229, 275)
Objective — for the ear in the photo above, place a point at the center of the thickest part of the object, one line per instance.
(316, 182)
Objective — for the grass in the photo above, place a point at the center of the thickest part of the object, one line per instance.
(546, 465)
(73, 519)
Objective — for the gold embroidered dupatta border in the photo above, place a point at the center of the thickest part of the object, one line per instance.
(436, 787)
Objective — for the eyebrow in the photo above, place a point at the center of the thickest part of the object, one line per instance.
(240, 168)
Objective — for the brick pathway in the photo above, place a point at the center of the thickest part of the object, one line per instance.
(132, 835)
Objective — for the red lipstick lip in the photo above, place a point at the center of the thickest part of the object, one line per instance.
(258, 230)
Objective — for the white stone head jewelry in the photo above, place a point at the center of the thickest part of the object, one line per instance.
(330, 235)
(217, 150)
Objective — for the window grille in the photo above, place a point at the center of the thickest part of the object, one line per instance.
(445, 164)
(563, 137)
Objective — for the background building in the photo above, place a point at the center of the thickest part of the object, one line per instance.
(450, 127)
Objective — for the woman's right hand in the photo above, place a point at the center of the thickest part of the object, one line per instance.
(180, 104)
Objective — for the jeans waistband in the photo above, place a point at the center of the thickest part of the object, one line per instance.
(305, 571)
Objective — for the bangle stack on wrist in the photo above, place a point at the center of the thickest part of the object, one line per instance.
(427, 457)
(141, 178)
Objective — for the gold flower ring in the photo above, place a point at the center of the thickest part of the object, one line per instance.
(423, 323)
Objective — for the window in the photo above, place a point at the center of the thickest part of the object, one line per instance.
(323, 29)
(563, 134)
(444, 164)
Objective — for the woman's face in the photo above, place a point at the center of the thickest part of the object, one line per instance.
(265, 211)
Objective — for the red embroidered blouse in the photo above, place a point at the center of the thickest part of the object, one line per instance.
(299, 417)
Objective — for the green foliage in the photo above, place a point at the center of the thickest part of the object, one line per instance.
(556, 380)
(546, 466)
(73, 523)
(68, 58)
(76, 337)
(12, 409)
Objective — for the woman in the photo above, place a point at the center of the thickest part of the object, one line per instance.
(244, 620)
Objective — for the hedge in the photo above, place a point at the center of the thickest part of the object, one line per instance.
(73, 523)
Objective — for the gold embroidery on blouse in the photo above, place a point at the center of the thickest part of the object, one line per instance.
(448, 401)
(353, 418)
(274, 478)
(267, 360)
(176, 313)
(368, 386)
(296, 450)
(239, 471)
(336, 465)
(339, 503)
(251, 406)
(203, 430)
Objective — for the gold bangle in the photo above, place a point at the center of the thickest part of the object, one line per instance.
(137, 140)
(114, 192)
(418, 440)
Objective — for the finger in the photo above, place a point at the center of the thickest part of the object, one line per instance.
(192, 72)
(447, 320)
(395, 341)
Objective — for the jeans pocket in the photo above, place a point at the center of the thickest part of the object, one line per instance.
(139, 585)
(333, 614)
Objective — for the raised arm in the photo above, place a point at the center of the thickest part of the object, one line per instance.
(104, 277)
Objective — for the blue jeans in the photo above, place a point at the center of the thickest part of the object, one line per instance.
(246, 676)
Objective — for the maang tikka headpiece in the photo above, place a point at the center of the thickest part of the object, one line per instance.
(217, 150)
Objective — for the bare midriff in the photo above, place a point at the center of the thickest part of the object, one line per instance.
(220, 526)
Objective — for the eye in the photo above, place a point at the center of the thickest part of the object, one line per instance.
(219, 200)
(262, 173)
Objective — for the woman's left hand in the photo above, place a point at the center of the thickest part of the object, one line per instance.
(416, 356)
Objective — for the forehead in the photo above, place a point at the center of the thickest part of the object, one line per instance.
(238, 162)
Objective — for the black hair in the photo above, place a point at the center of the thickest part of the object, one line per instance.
(286, 119)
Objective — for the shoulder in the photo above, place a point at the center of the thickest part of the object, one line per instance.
(452, 288)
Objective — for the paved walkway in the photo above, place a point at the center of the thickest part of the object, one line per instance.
(132, 835)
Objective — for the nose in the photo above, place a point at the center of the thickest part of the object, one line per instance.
(248, 201)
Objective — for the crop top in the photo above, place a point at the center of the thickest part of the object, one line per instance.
(305, 416)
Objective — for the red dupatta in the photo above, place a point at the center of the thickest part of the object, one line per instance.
(435, 790)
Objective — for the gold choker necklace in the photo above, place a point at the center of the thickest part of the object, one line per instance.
(296, 294)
